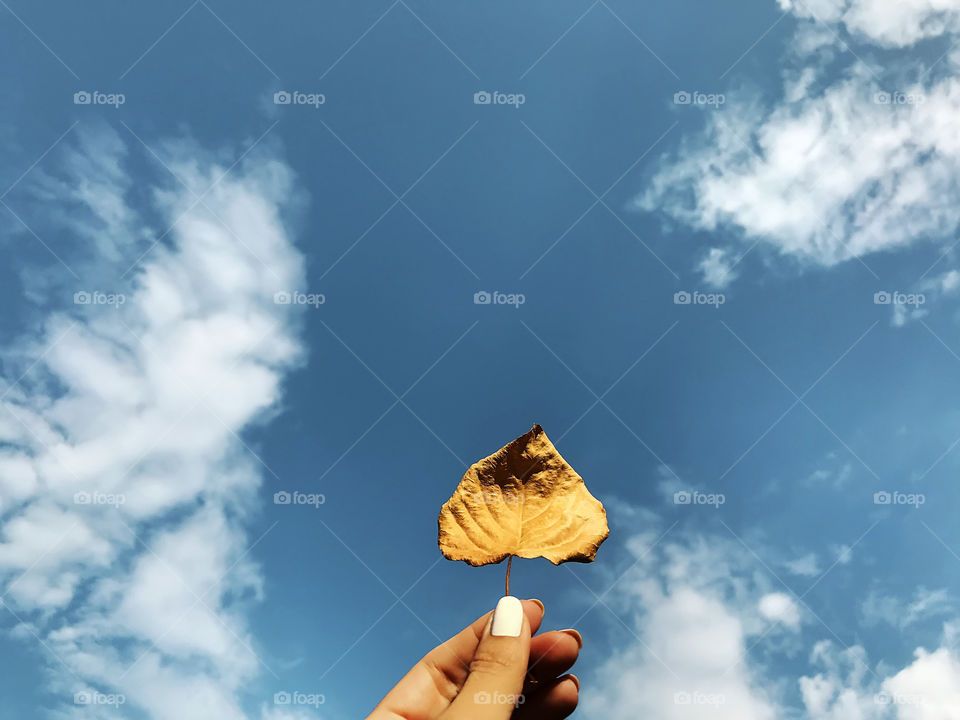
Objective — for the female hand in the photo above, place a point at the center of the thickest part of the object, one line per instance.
(482, 672)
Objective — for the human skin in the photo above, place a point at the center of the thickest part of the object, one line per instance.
(479, 675)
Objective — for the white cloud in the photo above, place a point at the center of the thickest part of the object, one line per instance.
(928, 689)
(891, 23)
(704, 609)
(806, 565)
(695, 606)
(842, 166)
(145, 402)
(902, 314)
(641, 682)
(836, 477)
(841, 691)
(669, 483)
(826, 178)
(900, 613)
(717, 268)
(843, 553)
(946, 283)
(848, 688)
(780, 607)
(927, 294)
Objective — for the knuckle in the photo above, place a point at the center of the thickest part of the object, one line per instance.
(487, 662)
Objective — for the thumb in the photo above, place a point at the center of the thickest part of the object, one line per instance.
(493, 687)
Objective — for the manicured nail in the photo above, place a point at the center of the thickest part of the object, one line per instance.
(508, 617)
(542, 608)
(576, 680)
(575, 635)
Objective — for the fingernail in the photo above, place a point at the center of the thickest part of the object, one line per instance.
(575, 635)
(576, 680)
(508, 617)
(542, 608)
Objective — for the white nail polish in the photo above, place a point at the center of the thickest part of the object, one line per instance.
(508, 617)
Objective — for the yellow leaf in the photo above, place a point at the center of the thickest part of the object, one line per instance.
(523, 500)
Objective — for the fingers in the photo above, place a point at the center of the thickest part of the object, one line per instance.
(554, 701)
(553, 653)
(495, 683)
(434, 682)
(452, 658)
(436, 686)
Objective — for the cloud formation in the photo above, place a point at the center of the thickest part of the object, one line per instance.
(842, 166)
(890, 23)
(708, 622)
(127, 487)
(694, 603)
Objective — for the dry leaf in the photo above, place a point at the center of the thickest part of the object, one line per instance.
(523, 500)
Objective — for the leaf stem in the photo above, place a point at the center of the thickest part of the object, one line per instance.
(509, 560)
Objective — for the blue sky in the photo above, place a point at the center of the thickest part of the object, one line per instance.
(789, 167)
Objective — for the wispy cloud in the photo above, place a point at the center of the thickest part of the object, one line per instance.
(901, 613)
(706, 617)
(886, 22)
(694, 604)
(124, 553)
(847, 686)
(717, 268)
(842, 166)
